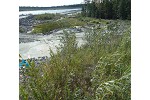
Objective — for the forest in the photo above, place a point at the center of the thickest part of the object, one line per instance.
(108, 9)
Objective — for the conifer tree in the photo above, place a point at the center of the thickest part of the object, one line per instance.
(107, 9)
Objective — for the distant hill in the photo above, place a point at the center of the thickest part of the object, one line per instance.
(22, 8)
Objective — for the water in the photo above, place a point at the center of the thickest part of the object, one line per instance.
(63, 11)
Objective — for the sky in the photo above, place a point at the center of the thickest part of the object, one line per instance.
(48, 2)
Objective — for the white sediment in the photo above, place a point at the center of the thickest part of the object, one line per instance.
(41, 46)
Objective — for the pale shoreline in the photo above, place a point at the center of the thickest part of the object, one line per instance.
(40, 47)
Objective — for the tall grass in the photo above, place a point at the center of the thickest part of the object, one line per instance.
(47, 16)
(98, 70)
(63, 23)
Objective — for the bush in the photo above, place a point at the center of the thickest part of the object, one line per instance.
(47, 16)
(64, 23)
(21, 30)
(98, 70)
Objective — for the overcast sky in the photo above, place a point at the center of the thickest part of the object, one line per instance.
(48, 2)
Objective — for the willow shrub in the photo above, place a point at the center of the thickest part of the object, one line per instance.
(59, 24)
(47, 16)
(98, 70)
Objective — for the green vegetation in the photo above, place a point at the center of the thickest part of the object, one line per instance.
(98, 70)
(47, 16)
(62, 23)
(108, 9)
(90, 20)
(21, 30)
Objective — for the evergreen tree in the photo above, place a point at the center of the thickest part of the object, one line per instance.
(122, 9)
(115, 13)
(128, 9)
(108, 9)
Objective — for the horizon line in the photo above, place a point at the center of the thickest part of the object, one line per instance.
(50, 6)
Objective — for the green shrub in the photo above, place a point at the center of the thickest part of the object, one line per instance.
(98, 70)
(64, 23)
(47, 16)
(21, 30)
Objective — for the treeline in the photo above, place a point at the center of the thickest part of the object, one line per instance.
(108, 9)
(51, 8)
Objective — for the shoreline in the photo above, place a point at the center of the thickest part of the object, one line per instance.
(24, 14)
(37, 45)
